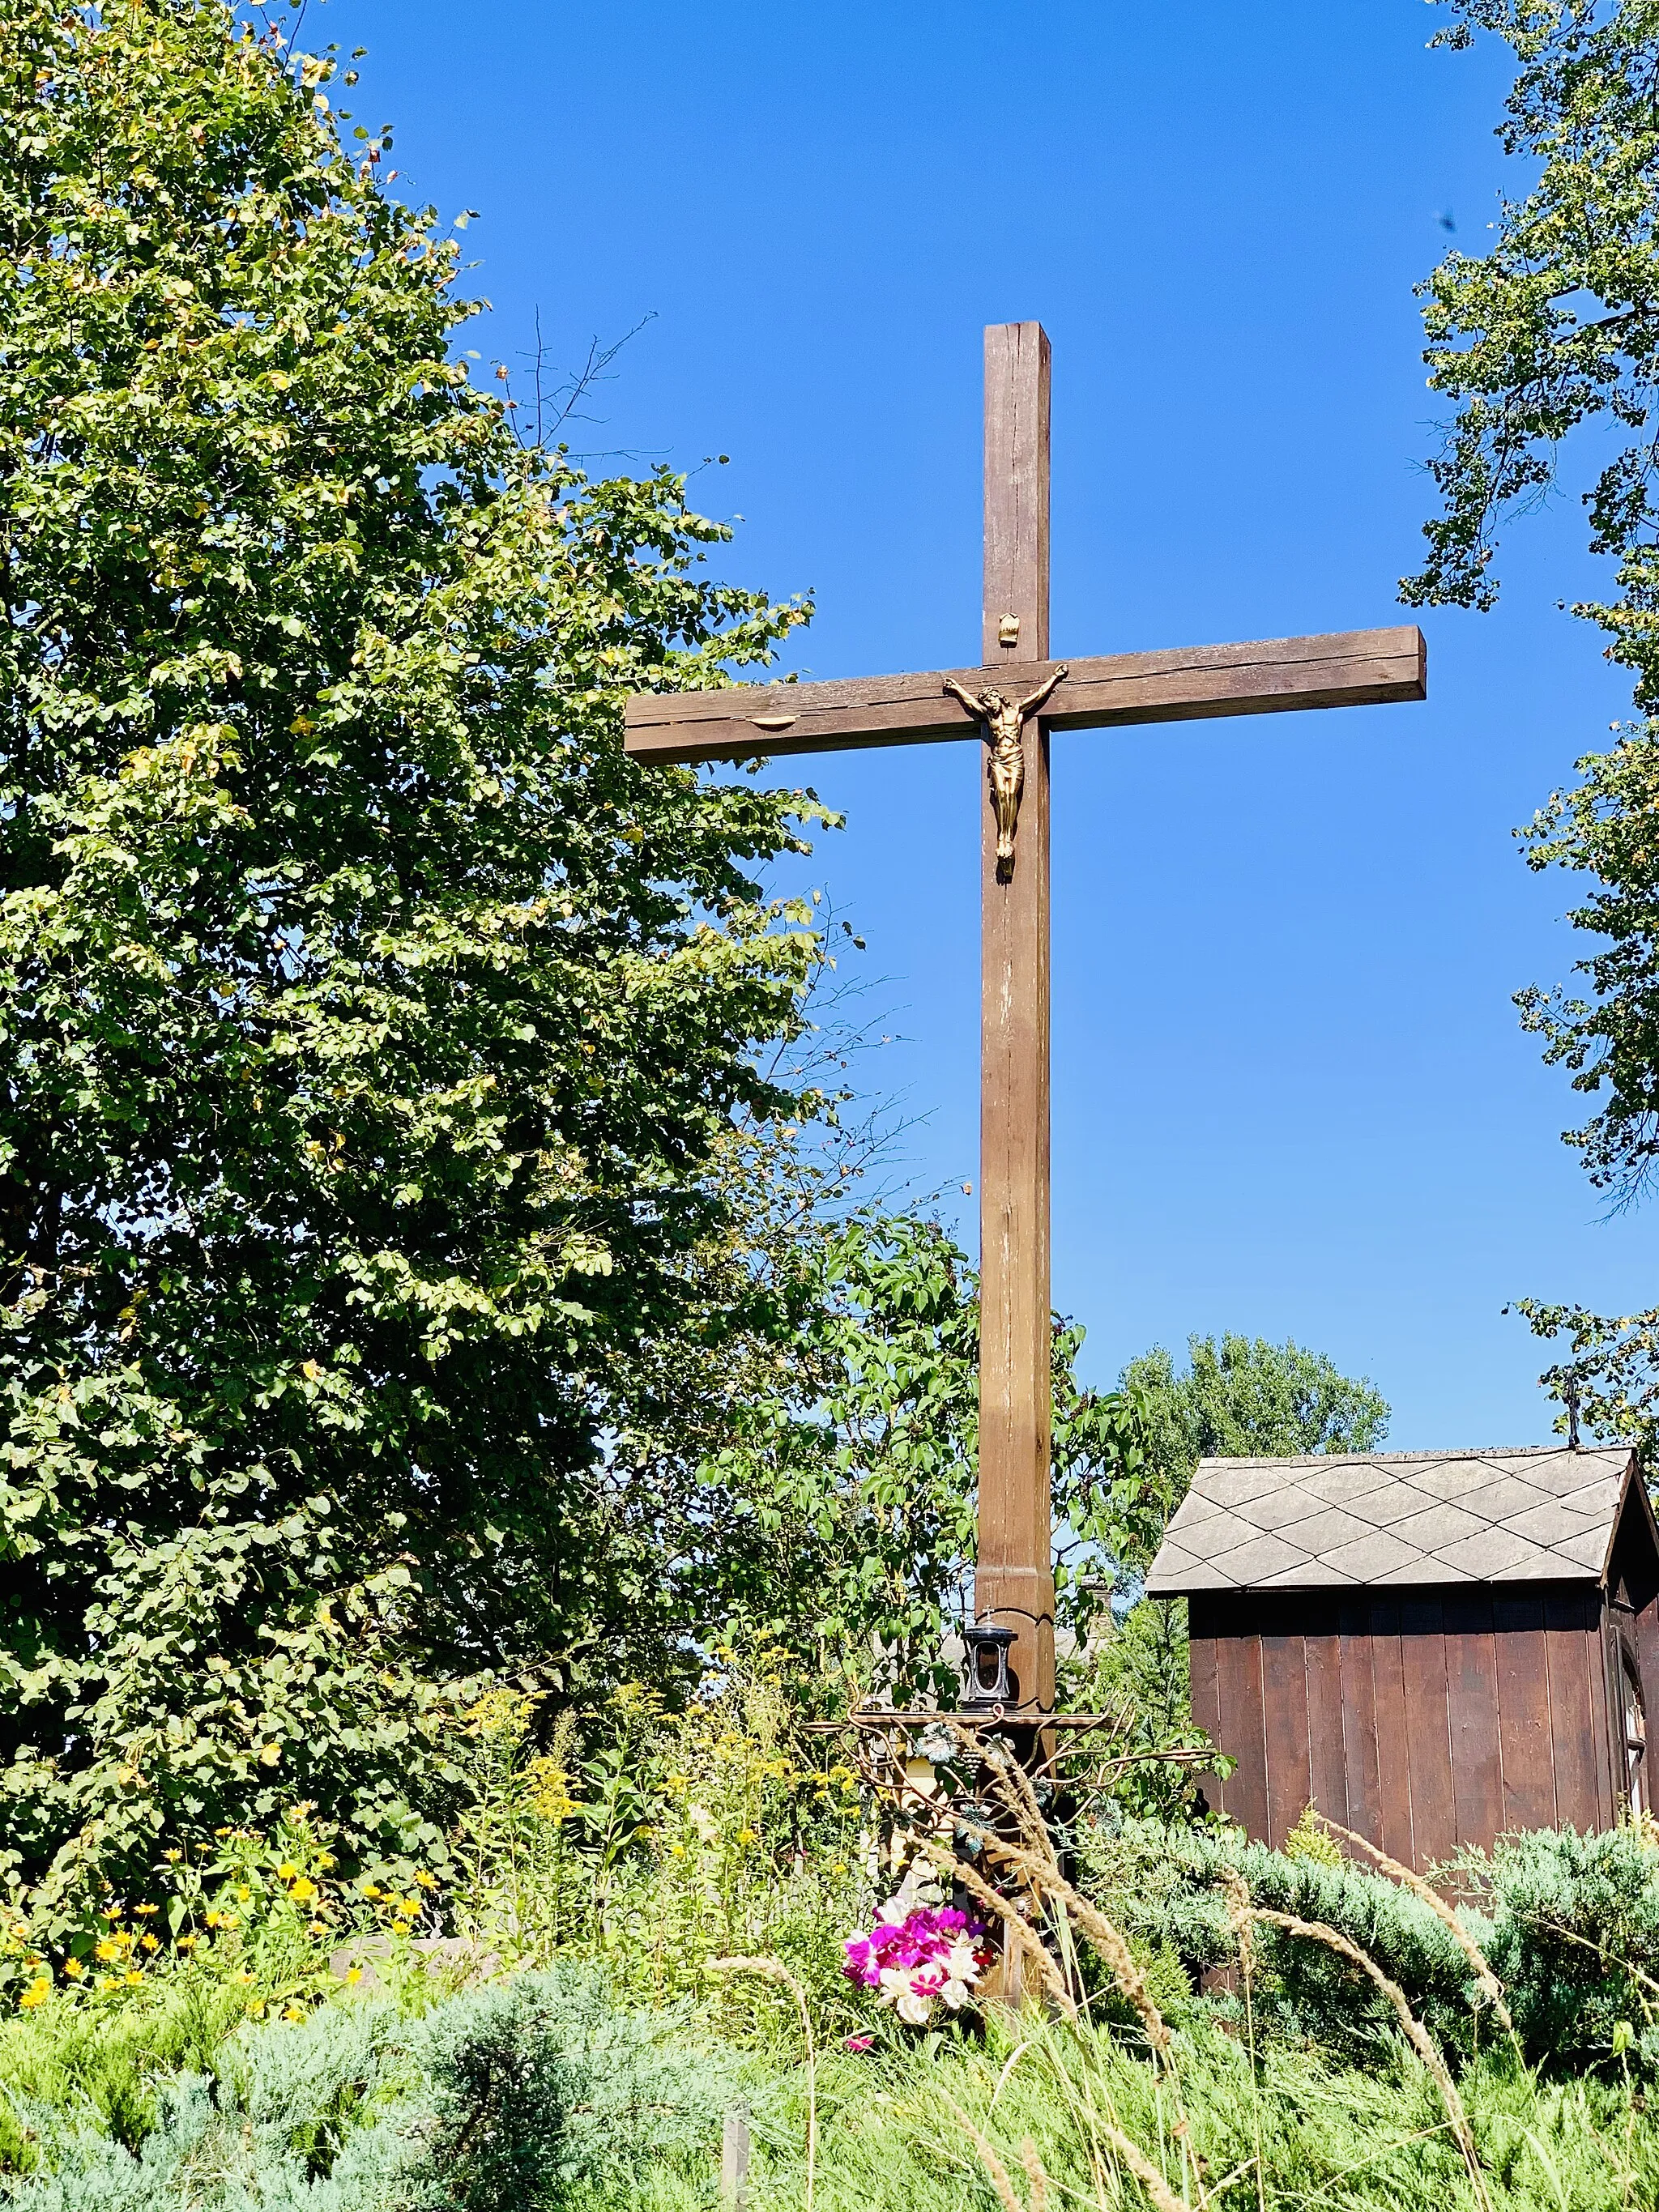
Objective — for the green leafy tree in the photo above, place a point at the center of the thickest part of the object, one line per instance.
(372, 1029)
(1239, 1398)
(1548, 342)
(858, 1455)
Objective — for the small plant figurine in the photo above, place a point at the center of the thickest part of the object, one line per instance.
(919, 1954)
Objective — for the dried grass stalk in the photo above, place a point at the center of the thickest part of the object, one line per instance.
(774, 1970)
(1104, 1938)
(1159, 2191)
(1013, 1786)
(1491, 1988)
(1239, 1910)
(1025, 1939)
(1417, 2035)
(1002, 2182)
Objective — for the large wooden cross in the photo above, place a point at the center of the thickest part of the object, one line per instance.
(1014, 1579)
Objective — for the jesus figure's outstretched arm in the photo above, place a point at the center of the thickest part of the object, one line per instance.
(1043, 692)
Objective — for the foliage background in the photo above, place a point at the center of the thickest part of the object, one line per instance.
(372, 1030)
(1545, 344)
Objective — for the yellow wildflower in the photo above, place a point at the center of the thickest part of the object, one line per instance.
(36, 1992)
(427, 1880)
(317, 1928)
(172, 1857)
(292, 2012)
(133, 1978)
(303, 1891)
(74, 1967)
(242, 1975)
(354, 1973)
(107, 1950)
(151, 1943)
(287, 1871)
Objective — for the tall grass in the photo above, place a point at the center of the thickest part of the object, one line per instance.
(700, 1869)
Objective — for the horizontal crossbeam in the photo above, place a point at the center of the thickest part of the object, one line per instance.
(1282, 675)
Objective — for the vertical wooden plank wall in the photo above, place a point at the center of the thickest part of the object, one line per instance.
(1428, 1730)
(1526, 1756)
(1578, 1727)
(1473, 1728)
(1423, 1721)
(1361, 1766)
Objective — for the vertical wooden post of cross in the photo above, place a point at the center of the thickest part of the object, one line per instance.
(1014, 1579)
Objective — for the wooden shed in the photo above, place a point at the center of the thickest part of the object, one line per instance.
(1431, 1647)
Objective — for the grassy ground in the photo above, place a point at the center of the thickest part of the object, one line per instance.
(1037, 2113)
(215, 2045)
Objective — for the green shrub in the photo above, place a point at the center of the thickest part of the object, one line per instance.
(540, 2084)
(1569, 1924)
(1574, 1936)
(501, 2100)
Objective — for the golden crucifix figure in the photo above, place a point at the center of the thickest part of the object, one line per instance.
(1005, 721)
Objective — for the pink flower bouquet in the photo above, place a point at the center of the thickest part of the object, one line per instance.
(919, 1954)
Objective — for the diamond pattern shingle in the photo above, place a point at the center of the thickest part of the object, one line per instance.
(1438, 1525)
(1395, 1517)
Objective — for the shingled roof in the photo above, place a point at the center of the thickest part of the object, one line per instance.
(1543, 1515)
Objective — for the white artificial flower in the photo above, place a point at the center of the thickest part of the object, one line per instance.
(915, 2007)
(963, 1965)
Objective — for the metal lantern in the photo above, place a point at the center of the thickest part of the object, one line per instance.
(988, 1681)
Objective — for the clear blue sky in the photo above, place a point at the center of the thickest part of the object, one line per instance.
(1290, 1097)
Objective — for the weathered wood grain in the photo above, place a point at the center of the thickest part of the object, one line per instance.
(1243, 1724)
(1285, 1704)
(1286, 675)
(1013, 1578)
(1361, 1776)
(1205, 1692)
(1523, 1708)
(1473, 1717)
(1573, 1642)
(1394, 1779)
(1428, 1742)
(1327, 1787)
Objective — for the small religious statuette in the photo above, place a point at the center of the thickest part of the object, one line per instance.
(1005, 720)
